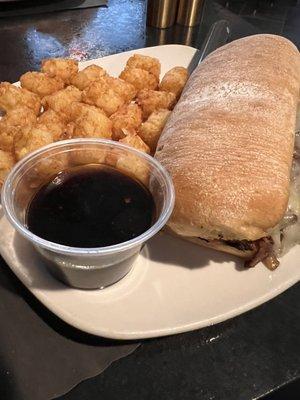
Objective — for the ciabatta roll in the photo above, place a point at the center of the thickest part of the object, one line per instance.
(229, 142)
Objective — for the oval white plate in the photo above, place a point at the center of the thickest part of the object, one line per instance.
(174, 287)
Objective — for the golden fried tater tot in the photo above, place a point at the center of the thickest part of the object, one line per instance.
(129, 131)
(87, 156)
(124, 89)
(63, 68)
(12, 97)
(29, 140)
(53, 123)
(147, 63)
(12, 122)
(61, 100)
(128, 116)
(88, 75)
(174, 81)
(151, 129)
(77, 110)
(92, 123)
(50, 117)
(136, 142)
(100, 94)
(20, 116)
(151, 100)
(7, 134)
(130, 163)
(40, 83)
(6, 164)
(139, 78)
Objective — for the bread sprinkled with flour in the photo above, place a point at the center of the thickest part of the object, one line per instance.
(229, 142)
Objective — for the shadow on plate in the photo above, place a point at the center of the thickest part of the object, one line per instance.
(27, 256)
(163, 248)
(167, 249)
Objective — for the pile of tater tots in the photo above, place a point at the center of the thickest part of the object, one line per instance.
(60, 102)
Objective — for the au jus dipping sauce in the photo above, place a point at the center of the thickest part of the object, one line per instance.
(91, 206)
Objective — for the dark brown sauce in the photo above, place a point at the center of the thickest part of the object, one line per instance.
(90, 206)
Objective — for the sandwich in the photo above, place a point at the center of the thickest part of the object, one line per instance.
(230, 146)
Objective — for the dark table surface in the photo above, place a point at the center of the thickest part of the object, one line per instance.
(246, 357)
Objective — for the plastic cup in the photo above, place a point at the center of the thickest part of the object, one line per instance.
(86, 268)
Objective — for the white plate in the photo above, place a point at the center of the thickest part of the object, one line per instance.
(174, 287)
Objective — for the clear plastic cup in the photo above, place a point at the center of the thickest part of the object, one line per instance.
(86, 268)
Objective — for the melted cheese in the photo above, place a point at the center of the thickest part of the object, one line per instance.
(287, 233)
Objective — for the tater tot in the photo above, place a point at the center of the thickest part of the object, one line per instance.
(146, 63)
(40, 83)
(54, 123)
(174, 81)
(12, 97)
(92, 123)
(95, 156)
(76, 109)
(136, 142)
(29, 140)
(61, 100)
(12, 122)
(63, 68)
(130, 163)
(124, 89)
(7, 134)
(20, 116)
(100, 94)
(128, 116)
(88, 75)
(139, 78)
(151, 129)
(151, 100)
(6, 164)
